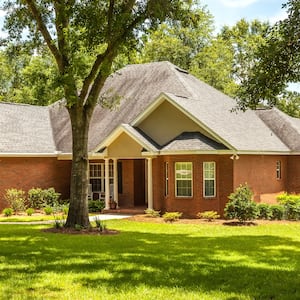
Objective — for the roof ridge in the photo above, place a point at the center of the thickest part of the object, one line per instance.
(287, 118)
(178, 71)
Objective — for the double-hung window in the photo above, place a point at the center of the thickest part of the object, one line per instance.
(97, 176)
(209, 179)
(183, 179)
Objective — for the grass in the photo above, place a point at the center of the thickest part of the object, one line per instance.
(152, 261)
(33, 218)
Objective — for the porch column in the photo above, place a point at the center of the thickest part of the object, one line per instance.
(106, 183)
(116, 194)
(150, 183)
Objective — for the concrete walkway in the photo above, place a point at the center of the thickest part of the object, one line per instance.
(101, 217)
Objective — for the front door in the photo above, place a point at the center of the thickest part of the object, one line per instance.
(139, 182)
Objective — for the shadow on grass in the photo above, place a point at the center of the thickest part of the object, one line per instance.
(255, 266)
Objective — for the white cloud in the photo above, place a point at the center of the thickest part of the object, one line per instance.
(2, 13)
(238, 3)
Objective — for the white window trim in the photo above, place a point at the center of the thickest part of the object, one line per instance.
(102, 174)
(166, 179)
(278, 170)
(179, 196)
(204, 179)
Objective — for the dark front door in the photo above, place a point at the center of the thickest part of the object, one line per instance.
(139, 182)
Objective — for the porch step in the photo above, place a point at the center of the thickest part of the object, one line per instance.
(130, 211)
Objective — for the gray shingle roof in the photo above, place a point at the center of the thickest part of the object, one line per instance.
(25, 129)
(284, 126)
(192, 141)
(32, 129)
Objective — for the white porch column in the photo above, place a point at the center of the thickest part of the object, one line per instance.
(106, 183)
(150, 183)
(116, 194)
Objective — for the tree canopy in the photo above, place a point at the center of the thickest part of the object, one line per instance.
(277, 62)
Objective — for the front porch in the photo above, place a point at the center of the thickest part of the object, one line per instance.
(125, 185)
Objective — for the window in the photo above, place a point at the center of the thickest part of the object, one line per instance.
(278, 169)
(209, 179)
(97, 176)
(166, 178)
(183, 179)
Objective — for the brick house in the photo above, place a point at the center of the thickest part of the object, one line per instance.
(172, 143)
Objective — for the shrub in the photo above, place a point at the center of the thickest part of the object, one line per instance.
(7, 211)
(16, 199)
(152, 213)
(39, 198)
(171, 216)
(240, 205)
(36, 198)
(96, 205)
(48, 210)
(291, 205)
(65, 209)
(29, 211)
(264, 211)
(59, 222)
(100, 225)
(208, 215)
(51, 197)
(277, 212)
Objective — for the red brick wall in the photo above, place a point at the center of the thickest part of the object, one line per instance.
(259, 172)
(192, 205)
(26, 173)
(293, 174)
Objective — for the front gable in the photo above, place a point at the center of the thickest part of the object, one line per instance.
(163, 121)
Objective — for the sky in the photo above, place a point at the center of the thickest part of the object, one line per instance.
(228, 12)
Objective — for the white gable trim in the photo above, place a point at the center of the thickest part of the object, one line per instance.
(167, 97)
(116, 133)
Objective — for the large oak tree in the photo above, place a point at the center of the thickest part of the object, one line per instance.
(101, 29)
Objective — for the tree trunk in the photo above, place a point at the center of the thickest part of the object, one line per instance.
(78, 210)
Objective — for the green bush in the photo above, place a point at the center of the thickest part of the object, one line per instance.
(96, 205)
(48, 210)
(51, 197)
(65, 209)
(29, 211)
(39, 198)
(152, 213)
(277, 212)
(208, 215)
(240, 205)
(36, 198)
(16, 199)
(7, 211)
(264, 211)
(291, 205)
(171, 216)
(100, 224)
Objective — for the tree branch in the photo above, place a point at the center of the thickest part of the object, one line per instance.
(43, 29)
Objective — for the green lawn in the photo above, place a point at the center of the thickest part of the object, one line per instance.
(152, 261)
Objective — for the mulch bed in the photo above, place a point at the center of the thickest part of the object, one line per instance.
(90, 231)
(145, 218)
